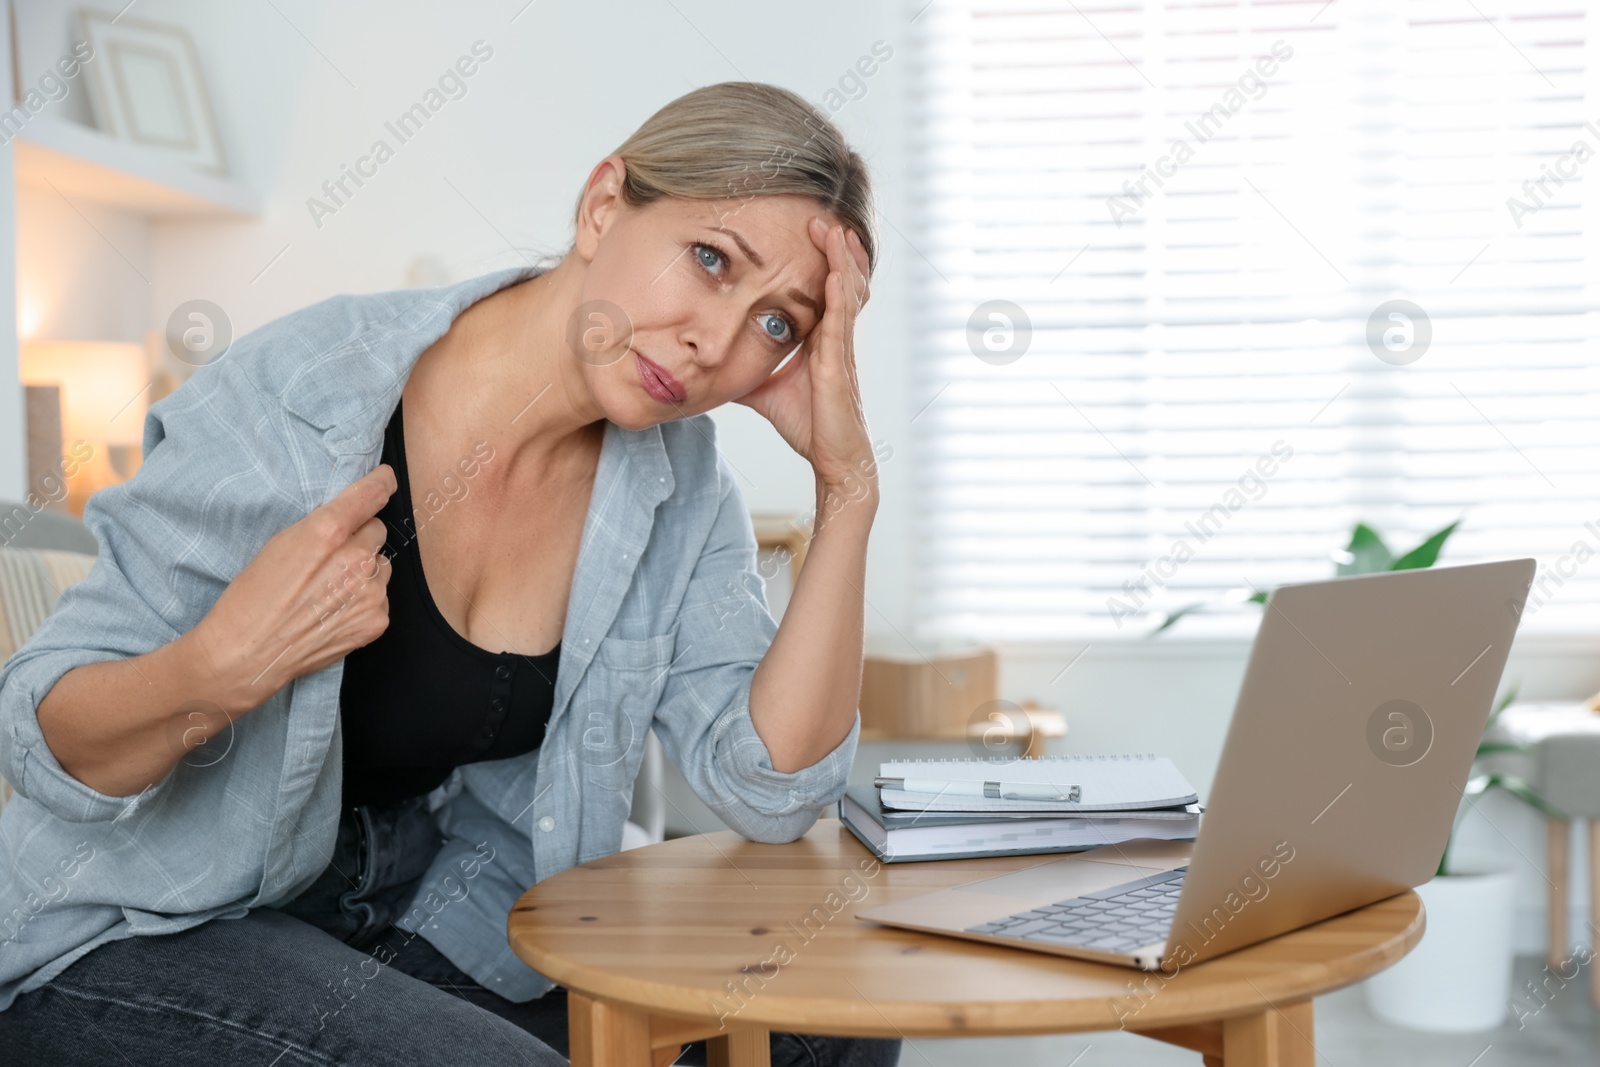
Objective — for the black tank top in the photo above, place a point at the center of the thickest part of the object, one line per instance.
(421, 699)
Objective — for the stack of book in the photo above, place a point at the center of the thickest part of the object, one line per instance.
(953, 809)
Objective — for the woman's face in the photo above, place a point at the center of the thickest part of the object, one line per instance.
(714, 292)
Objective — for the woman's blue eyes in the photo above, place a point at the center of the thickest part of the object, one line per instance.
(789, 330)
(718, 254)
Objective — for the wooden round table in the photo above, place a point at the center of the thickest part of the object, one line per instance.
(722, 938)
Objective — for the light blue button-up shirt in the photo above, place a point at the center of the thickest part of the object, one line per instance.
(665, 626)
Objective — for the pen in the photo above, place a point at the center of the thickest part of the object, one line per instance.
(988, 790)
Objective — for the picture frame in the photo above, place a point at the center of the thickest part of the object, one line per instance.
(145, 86)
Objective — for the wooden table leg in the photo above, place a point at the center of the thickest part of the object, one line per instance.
(603, 1034)
(1594, 905)
(1276, 1037)
(1204, 1038)
(740, 1048)
(1558, 864)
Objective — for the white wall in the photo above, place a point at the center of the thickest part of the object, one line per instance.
(73, 284)
(567, 82)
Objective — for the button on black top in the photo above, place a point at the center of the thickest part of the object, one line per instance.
(422, 699)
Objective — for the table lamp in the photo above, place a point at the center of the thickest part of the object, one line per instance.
(105, 387)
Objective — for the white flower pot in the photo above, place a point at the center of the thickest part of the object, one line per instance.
(1458, 978)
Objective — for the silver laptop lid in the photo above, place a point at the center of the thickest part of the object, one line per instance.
(1351, 742)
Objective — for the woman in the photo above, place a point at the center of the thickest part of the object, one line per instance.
(377, 630)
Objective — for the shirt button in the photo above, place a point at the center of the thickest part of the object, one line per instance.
(502, 671)
(497, 704)
(547, 824)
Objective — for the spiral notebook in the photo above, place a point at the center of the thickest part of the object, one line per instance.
(906, 836)
(1098, 783)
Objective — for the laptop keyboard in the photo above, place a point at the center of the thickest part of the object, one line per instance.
(1119, 919)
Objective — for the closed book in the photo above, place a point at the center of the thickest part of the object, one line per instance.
(898, 836)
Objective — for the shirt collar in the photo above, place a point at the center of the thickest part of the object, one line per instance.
(354, 388)
(350, 389)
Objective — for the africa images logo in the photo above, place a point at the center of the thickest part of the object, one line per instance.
(1399, 733)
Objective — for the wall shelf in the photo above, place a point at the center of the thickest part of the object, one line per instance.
(87, 163)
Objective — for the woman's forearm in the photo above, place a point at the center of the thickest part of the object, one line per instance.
(119, 726)
(804, 695)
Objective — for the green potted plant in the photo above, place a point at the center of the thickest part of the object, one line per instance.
(1365, 554)
(1458, 978)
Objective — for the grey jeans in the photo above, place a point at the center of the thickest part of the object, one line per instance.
(302, 984)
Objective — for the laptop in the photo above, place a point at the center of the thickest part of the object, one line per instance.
(1350, 746)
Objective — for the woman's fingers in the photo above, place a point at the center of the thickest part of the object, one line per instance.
(820, 232)
(372, 535)
(330, 562)
(832, 329)
(853, 283)
(357, 502)
(844, 294)
(858, 255)
(824, 237)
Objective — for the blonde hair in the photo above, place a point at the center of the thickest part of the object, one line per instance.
(741, 139)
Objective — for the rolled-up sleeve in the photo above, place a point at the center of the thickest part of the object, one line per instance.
(209, 492)
(724, 631)
(25, 759)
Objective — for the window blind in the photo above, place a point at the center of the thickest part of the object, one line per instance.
(1201, 285)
